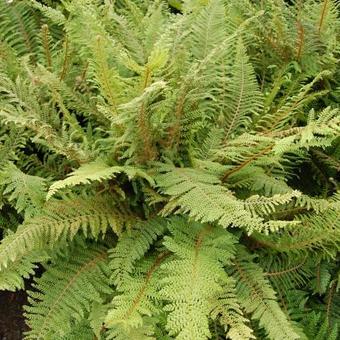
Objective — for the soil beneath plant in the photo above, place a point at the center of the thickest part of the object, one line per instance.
(12, 323)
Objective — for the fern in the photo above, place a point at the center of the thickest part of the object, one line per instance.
(258, 298)
(230, 314)
(208, 30)
(60, 221)
(27, 191)
(128, 310)
(192, 190)
(322, 234)
(200, 253)
(132, 246)
(132, 308)
(244, 99)
(17, 28)
(95, 171)
(85, 281)
(169, 170)
(13, 276)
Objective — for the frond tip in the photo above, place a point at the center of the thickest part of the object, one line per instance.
(203, 197)
(95, 171)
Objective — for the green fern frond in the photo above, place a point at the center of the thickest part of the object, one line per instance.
(96, 171)
(316, 232)
(135, 302)
(65, 292)
(315, 326)
(55, 15)
(79, 331)
(26, 191)
(141, 333)
(330, 160)
(312, 203)
(132, 246)
(258, 298)
(60, 220)
(244, 97)
(9, 63)
(20, 107)
(208, 29)
(262, 206)
(108, 78)
(229, 314)
(97, 318)
(285, 272)
(12, 277)
(200, 252)
(202, 196)
(17, 27)
(288, 110)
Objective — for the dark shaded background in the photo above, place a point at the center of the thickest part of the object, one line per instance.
(12, 324)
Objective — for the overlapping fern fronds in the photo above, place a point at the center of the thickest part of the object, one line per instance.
(60, 299)
(171, 172)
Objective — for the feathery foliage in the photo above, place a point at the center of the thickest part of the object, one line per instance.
(169, 169)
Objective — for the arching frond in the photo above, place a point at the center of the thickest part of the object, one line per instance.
(244, 99)
(202, 196)
(258, 298)
(12, 277)
(61, 220)
(96, 171)
(65, 292)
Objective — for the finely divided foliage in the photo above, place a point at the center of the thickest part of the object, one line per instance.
(169, 169)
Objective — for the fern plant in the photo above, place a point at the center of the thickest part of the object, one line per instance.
(169, 169)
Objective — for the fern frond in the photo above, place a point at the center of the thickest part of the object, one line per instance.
(285, 272)
(330, 160)
(79, 331)
(208, 29)
(262, 206)
(132, 246)
(316, 232)
(228, 312)
(288, 110)
(12, 277)
(95, 171)
(26, 191)
(258, 298)
(108, 78)
(315, 326)
(60, 220)
(312, 203)
(55, 15)
(22, 114)
(200, 254)
(202, 196)
(17, 27)
(244, 97)
(65, 292)
(134, 302)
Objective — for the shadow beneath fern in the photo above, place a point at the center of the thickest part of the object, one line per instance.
(12, 323)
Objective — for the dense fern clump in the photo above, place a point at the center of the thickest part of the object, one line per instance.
(171, 168)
